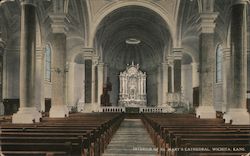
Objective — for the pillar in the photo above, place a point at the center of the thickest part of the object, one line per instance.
(164, 82)
(70, 84)
(2, 47)
(100, 68)
(195, 83)
(226, 78)
(195, 74)
(177, 70)
(237, 104)
(207, 66)
(159, 84)
(27, 112)
(170, 75)
(39, 97)
(58, 62)
(93, 83)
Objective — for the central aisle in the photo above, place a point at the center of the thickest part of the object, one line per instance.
(131, 139)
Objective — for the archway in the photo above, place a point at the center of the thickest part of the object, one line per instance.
(133, 33)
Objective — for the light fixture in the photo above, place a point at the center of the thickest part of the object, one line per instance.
(133, 41)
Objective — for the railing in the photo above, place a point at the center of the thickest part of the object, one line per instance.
(112, 109)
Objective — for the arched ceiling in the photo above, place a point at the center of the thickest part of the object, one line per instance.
(133, 22)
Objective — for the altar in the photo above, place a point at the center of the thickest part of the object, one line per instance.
(132, 92)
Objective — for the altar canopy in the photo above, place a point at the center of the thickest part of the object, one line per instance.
(132, 87)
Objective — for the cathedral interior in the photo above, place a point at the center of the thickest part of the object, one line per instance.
(135, 62)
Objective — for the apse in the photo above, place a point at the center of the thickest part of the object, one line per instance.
(133, 34)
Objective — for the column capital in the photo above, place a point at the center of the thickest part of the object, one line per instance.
(100, 64)
(226, 53)
(29, 2)
(170, 60)
(177, 53)
(235, 2)
(2, 43)
(59, 23)
(207, 22)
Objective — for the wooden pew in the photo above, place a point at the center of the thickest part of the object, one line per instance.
(81, 134)
(175, 132)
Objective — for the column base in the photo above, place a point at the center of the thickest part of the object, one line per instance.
(205, 112)
(26, 115)
(58, 111)
(238, 116)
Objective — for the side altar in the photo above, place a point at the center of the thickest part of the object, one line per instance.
(132, 91)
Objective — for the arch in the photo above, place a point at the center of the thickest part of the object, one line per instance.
(115, 6)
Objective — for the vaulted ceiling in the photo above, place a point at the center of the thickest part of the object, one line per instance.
(125, 22)
(137, 23)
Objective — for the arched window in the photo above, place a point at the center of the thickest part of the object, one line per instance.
(219, 63)
(48, 62)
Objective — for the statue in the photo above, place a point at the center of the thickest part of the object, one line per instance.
(105, 99)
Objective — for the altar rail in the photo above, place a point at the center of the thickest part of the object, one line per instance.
(140, 109)
(112, 109)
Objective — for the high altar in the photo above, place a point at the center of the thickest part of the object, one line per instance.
(132, 87)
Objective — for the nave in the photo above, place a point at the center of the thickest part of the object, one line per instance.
(110, 134)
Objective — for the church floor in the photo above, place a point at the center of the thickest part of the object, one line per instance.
(131, 139)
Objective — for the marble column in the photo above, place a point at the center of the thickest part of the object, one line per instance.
(164, 82)
(195, 74)
(237, 109)
(170, 77)
(207, 66)
(2, 47)
(177, 69)
(70, 84)
(159, 84)
(93, 83)
(58, 63)
(27, 112)
(100, 68)
(40, 101)
(226, 78)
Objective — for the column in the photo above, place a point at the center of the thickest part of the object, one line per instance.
(2, 47)
(237, 105)
(170, 74)
(207, 66)
(27, 112)
(39, 97)
(195, 83)
(144, 86)
(93, 83)
(177, 69)
(58, 62)
(195, 74)
(164, 82)
(70, 84)
(226, 69)
(100, 68)
(159, 82)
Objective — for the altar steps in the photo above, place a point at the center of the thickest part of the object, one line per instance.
(131, 139)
